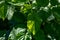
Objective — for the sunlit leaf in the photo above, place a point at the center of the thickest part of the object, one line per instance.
(19, 34)
(10, 12)
(30, 25)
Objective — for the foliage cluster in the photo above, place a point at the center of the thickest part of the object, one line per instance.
(29, 19)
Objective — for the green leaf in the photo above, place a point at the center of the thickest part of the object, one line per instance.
(31, 26)
(42, 2)
(51, 28)
(10, 12)
(3, 10)
(40, 35)
(34, 24)
(54, 2)
(2, 32)
(44, 15)
(1, 3)
(19, 17)
(19, 34)
(33, 21)
(16, 1)
(56, 13)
